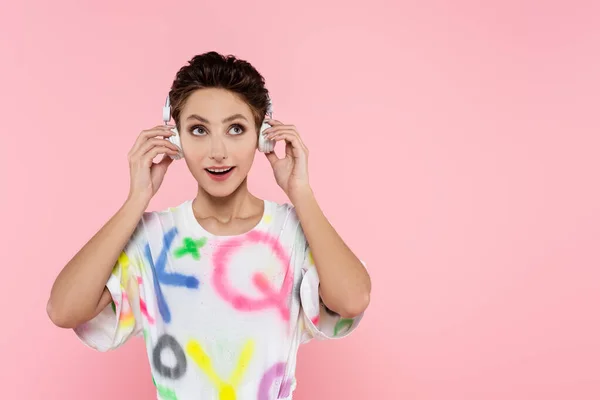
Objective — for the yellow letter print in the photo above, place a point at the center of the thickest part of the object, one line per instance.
(226, 389)
(127, 318)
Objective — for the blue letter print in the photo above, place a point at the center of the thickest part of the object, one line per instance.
(166, 278)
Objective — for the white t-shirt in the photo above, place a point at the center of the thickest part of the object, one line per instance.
(222, 316)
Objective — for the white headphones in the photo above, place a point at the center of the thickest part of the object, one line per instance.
(264, 145)
(175, 139)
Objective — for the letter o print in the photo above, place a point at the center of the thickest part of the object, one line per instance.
(165, 342)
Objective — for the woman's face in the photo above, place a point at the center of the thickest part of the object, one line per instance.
(218, 139)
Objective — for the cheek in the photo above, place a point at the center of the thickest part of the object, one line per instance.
(194, 155)
(246, 155)
(243, 152)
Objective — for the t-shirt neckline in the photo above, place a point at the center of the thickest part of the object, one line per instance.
(200, 230)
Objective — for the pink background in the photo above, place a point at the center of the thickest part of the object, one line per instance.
(454, 145)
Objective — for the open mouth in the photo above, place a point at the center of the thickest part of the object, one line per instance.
(219, 174)
(219, 171)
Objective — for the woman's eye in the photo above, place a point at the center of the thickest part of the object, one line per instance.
(236, 130)
(198, 131)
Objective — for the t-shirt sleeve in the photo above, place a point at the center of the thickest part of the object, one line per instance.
(319, 321)
(121, 319)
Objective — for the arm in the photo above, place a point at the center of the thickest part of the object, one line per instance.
(345, 284)
(79, 292)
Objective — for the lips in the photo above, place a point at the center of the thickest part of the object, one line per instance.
(219, 173)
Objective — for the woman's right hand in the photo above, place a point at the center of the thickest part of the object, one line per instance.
(70, 304)
(145, 175)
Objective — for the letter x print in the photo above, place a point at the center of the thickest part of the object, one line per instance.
(190, 246)
(161, 276)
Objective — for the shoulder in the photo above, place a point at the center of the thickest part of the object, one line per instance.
(281, 214)
(159, 222)
(278, 210)
(176, 212)
(284, 221)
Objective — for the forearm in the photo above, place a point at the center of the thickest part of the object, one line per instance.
(78, 288)
(345, 283)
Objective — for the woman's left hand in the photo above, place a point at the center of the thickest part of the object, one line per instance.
(291, 171)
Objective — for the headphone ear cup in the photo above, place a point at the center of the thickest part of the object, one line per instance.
(176, 140)
(264, 145)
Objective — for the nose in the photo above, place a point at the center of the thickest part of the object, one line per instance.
(218, 150)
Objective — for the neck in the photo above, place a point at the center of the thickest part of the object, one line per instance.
(240, 204)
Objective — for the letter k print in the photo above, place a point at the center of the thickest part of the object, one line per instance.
(161, 276)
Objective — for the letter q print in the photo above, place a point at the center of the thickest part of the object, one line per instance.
(271, 297)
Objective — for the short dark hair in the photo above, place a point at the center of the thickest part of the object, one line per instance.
(214, 70)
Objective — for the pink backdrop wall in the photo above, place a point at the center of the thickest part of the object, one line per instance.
(454, 145)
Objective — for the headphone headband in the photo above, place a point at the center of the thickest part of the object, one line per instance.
(167, 111)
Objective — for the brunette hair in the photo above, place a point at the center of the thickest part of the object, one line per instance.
(214, 70)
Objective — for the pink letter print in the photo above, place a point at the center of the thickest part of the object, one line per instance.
(274, 374)
(272, 296)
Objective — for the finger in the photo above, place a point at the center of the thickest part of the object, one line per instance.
(151, 143)
(290, 136)
(159, 130)
(161, 142)
(272, 157)
(280, 129)
(147, 159)
(164, 163)
(293, 139)
(273, 122)
(158, 170)
(145, 136)
(276, 128)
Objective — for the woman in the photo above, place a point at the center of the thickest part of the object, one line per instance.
(225, 287)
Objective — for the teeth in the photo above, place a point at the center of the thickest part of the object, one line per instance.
(219, 169)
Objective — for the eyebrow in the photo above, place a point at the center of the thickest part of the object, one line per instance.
(228, 119)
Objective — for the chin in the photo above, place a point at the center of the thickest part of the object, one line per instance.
(222, 188)
(219, 192)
